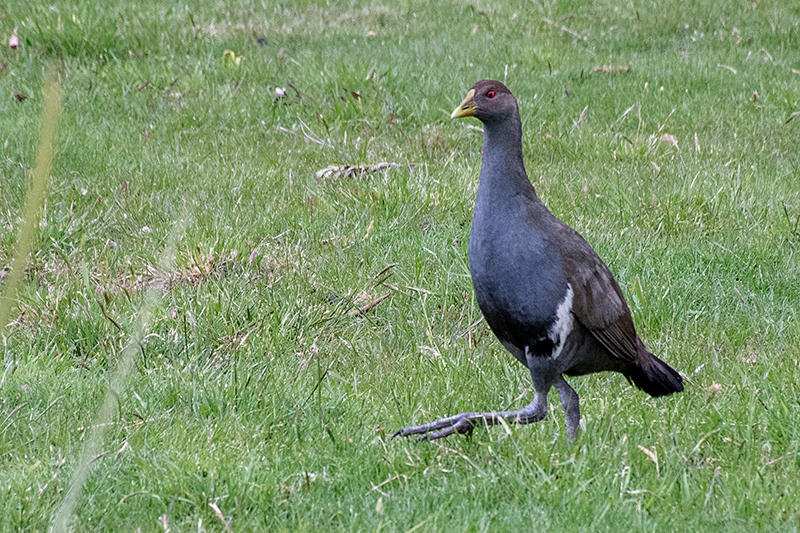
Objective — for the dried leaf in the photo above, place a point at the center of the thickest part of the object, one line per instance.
(218, 512)
(577, 123)
(652, 454)
(671, 139)
(564, 28)
(713, 390)
(612, 69)
(122, 450)
(350, 171)
(230, 59)
(750, 358)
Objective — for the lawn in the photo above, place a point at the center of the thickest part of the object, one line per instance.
(201, 340)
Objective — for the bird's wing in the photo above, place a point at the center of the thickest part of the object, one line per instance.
(598, 303)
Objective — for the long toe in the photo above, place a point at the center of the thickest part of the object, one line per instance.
(427, 431)
(421, 430)
(442, 423)
(412, 430)
(433, 435)
(463, 426)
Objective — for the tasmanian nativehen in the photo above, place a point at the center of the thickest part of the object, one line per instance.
(543, 290)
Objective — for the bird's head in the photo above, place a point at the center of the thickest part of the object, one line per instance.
(488, 101)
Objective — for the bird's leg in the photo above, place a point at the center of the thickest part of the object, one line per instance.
(465, 422)
(569, 401)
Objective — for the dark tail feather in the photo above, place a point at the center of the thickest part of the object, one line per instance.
(653, 375)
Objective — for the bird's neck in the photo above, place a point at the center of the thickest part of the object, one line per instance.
(503, 173)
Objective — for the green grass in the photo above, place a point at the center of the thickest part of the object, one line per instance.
(258, 389)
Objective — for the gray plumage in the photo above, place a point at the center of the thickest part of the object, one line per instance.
(545, 293)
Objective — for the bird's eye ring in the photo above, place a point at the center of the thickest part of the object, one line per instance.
(490, 94)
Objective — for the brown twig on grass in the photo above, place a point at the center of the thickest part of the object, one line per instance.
(385, 269)
(363, 309)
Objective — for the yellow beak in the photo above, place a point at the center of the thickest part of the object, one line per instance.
(467, 107)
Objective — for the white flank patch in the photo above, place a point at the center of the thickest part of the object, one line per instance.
(563, 325)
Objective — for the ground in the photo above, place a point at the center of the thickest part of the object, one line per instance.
(188, 234)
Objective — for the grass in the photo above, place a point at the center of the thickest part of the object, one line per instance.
(258, 392)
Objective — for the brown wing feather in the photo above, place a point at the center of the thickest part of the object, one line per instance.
(598, 303)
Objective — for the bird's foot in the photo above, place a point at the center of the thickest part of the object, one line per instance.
(464, 423)
(461, 423)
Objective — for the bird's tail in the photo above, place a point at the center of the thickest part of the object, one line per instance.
(653, 375)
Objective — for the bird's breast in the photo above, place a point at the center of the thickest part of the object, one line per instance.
(519, 284)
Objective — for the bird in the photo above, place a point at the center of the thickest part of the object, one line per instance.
(543, 290)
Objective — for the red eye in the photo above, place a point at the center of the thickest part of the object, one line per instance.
(490, 94)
